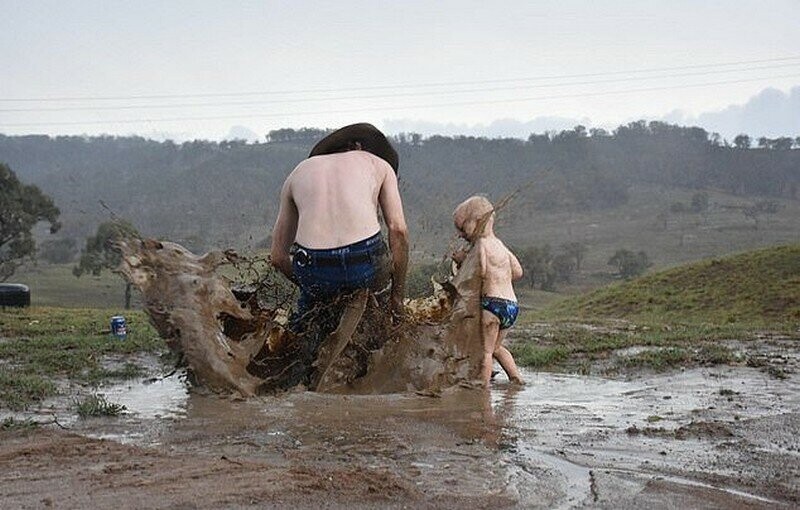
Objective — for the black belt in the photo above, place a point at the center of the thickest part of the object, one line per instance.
(305, 258)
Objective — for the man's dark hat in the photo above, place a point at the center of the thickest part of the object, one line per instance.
(370, 138)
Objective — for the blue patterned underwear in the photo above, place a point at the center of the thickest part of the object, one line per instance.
(505, 310)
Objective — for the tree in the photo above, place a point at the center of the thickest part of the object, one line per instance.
(742, 141)
(677, 208)
(22, 206)
(699, 202)
(563, 267)
(783, 143)
(537, 265)
(58, 251)
(307, 135)
(102, 253)
(576, 250)
(662, 219)
(629, 264)
(760, 208)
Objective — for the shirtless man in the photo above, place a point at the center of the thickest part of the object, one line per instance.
(474, 220)
(328, 219)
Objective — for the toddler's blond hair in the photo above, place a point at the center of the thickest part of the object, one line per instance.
(474, 214)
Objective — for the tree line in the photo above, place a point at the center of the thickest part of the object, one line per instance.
(210, 194)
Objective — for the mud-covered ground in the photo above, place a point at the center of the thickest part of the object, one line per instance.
(709, 437)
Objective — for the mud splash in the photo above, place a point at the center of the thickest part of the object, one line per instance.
(234, 343)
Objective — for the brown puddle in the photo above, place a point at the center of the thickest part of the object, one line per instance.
(562, 441)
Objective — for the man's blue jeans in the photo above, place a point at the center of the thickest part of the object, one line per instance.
(323, 275)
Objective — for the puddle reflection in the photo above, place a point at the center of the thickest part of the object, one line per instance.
(163, 398)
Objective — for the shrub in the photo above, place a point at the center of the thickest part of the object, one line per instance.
(629, 264)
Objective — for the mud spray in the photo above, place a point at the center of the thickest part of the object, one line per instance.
(233, 338)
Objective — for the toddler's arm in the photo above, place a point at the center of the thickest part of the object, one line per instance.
(516, 267)
(458, 256)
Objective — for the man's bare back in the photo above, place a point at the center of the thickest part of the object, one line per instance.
(332, 200)
(336, 197)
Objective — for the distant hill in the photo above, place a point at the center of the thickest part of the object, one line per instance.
(225, 194)
(757, 286)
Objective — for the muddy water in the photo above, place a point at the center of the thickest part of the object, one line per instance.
(704, 438)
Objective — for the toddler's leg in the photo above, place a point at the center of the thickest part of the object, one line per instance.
(506, 360)
(490, 326)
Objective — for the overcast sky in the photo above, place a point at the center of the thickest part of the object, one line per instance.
(267, 65)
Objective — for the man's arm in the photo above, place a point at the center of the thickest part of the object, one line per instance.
(284, 231)
(392, 209)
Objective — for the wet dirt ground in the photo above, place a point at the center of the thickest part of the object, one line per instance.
(709, 437)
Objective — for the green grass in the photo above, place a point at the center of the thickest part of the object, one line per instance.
(13, 424)
(42, 345)
(683, 312)
(127, 371)
(658, 360)
(758, 288)
(574, 346)
(97, 405)
(19, 389)
(529, 355)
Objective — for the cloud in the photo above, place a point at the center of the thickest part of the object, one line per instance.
(242, 133)
(769, 113)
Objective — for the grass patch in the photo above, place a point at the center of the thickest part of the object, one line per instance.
(572, 345)
(777, 372)
(18, 390)
(127, 371)
(97, 405)
(711, 354)
(658, 360)
(12, 424)
(40, 345)
(529, 355)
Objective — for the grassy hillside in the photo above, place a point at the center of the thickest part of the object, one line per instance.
(760, 286)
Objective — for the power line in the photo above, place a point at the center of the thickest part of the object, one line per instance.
(400, 86)
(384, 96)
(389, 107)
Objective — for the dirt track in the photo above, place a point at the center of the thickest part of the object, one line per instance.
(719, 437)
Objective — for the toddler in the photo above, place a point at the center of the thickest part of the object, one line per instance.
(474, 220)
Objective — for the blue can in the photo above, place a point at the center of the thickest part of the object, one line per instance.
(119, 329)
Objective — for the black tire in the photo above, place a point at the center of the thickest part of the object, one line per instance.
(15, 294)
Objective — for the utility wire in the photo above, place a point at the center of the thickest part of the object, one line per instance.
(400, 86)
(392, 108)
(384, 96)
